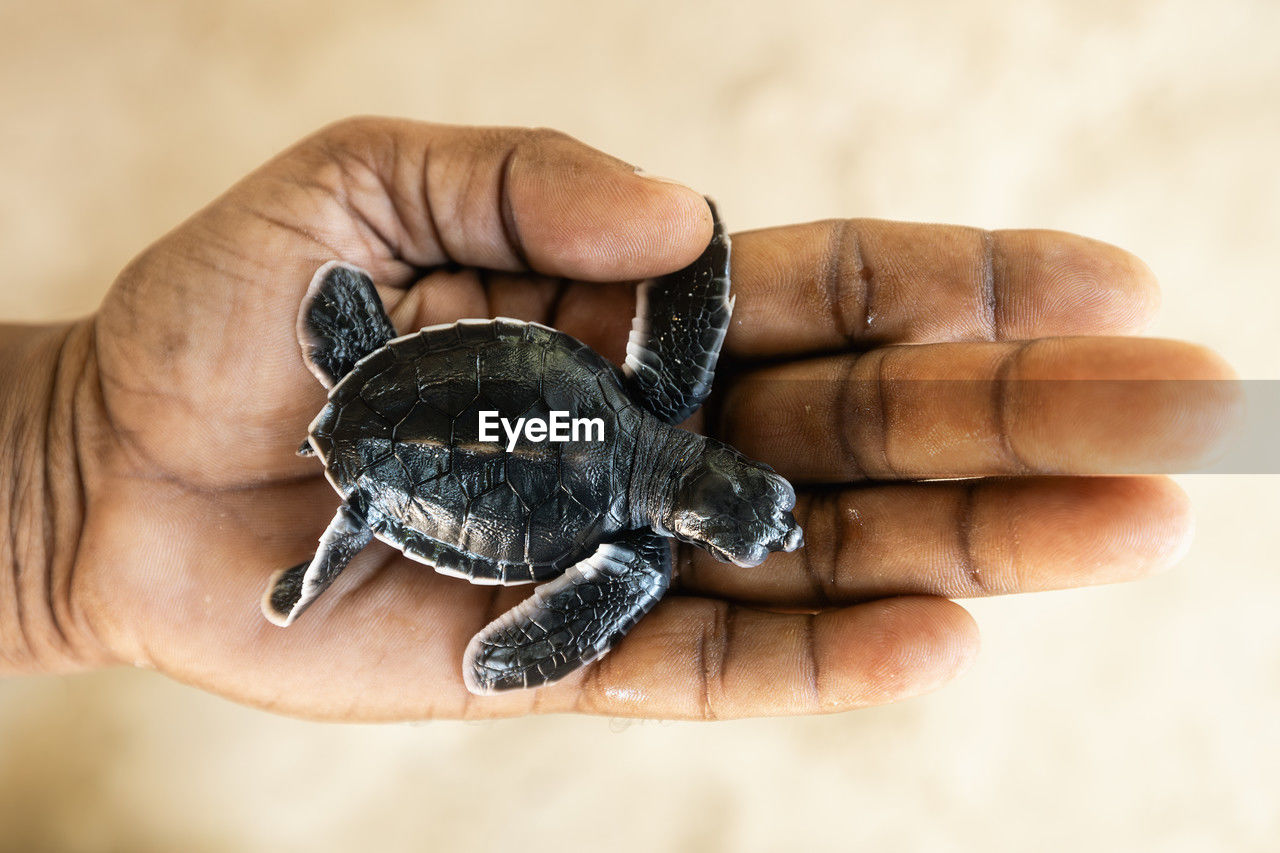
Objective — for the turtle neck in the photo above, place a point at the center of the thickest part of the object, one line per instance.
(663, 454)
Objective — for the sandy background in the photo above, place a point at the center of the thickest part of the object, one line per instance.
(1128, 718)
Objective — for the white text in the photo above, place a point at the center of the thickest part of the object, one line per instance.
(558, 427)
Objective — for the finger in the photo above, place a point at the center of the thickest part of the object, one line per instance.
(961, 539)
(860, 283)
(702, 659)
(501, 198)
(599, 316)
(1052, 406)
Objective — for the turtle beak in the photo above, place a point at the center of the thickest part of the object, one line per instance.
(794, 538)
(790, 536)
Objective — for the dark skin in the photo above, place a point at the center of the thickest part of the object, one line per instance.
(185, 396)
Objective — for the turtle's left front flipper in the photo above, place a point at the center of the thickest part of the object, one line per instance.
(291, 591)
(680, 324)
(341, 321)
(573, 619)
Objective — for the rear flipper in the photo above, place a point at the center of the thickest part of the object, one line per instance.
(573, 619)
(291, 591)
(680, 324)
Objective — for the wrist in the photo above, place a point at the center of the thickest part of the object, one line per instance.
(44, 387)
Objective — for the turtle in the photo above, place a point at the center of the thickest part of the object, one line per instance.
(408, 440)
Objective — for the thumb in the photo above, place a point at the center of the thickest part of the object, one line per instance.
(512, 199)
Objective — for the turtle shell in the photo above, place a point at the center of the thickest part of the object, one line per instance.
(400, 439)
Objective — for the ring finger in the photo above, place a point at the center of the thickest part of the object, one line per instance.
(960, 539)
(1050, 406)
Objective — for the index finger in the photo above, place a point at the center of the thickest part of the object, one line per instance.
(861, 283)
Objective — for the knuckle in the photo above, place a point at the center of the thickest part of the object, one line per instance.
(347, 146)
(348, 129)
(822, 514)
(710, 656)
(847, 281)
(544, 136)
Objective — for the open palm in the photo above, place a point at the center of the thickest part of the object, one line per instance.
(194, 496)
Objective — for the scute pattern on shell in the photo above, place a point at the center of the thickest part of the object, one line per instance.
(402, 445)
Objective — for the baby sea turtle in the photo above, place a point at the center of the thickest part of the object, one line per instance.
(580, 495)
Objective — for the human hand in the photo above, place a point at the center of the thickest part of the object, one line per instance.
(187, 395)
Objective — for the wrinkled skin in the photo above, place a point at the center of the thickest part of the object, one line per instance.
(188, 394)
(737, 509)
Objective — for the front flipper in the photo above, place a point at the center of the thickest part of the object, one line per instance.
(342, 320)
(680, 324)
(291, 591)
(573, 619)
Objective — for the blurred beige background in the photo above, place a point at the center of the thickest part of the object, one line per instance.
(1130, 718)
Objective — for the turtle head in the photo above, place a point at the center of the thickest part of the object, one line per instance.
(737, 509)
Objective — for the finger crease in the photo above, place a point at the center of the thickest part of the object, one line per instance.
(700, 664)
(54, 596)
(812, 673)
(1000, 406)
(432, 223)
(990, 302)
(299, 231)
(392, 242)
(817, 583)
(713, 655)
(883, 412)
(348, 201)
(19, 560)
(845, 405)
(837, 538)
(391, 189)
(510, 227)
(844, 265)
(965, 513)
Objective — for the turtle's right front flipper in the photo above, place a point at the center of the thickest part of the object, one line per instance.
(291, 591)
(342, 320)
(573, 619)
(680, 323)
